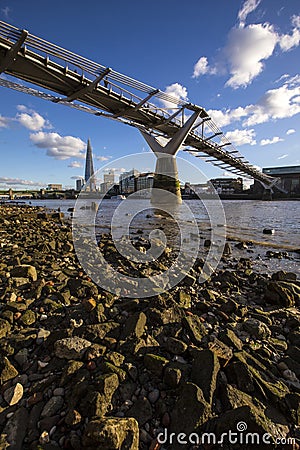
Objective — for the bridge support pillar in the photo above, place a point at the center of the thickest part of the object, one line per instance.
(166, 173)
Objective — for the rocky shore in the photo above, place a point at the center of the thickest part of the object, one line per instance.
(83, 369)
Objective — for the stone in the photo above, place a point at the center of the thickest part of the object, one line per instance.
(172, 376)
(15, 429)
(135, 325)
(205, 369)
(5, 327)
(28, 318)
(154, 395)
(141, 411)
(195, 328)
(257, 328)
(111, 433)
(282, 293)
(155, 364)
(190, 411)
(71, 348)
(175, 346)
(53, 406)
(24, 271)
(227, 249)
(73, 417)
(13, 395)
(231, 339)
(8, 371)
(184, 299)
(268, 231)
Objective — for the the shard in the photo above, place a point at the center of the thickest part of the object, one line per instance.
(89, 178)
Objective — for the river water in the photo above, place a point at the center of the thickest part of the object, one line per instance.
(244, 221)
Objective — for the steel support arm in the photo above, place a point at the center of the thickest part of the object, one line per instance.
(12, 53)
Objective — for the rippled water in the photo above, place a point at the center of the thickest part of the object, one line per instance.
(245, 220)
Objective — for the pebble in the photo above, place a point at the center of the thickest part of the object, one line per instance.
(153, 396)
(13, 395)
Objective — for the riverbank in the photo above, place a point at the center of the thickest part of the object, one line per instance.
(83, 369)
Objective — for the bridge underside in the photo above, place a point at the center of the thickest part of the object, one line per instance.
(72, 80)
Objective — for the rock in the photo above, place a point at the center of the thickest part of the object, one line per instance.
(13, 395)
(141, 411)
(155, 364)
(71, 348)
(8, 371)
(195, 328)
(190, 412)
(53, 406)
(135, 325)
(111, 433)
(28, 318)
(284, 276)
(231, 339)
(227, 249)
(172, 376)
(205, 369)
(184, 299)
(257, 328)
(268, 231)
(175, 346)
(97, 401)
(154, 396)
(5, 327)
(282, 293)
(24, 271)
(73, 417)
(239, 374)
(15, 429)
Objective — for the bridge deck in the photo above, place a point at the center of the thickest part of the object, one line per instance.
(91, 87)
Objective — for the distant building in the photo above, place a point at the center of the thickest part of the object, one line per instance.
(109, 177)
(144, 181)
(90, 182)
(199, 188)
(227, 185)
(79, 184)
(128, 181)
(54, 187)
(289, 178)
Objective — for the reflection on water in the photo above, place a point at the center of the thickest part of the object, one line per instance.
(244, 219)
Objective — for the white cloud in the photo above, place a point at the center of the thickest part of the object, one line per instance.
(289, 41)
(59, 147)
(248, 47)
(201, 68)
(246, 50)
(291, 131)
(274, 140)
(241, 137)
(76, 177)
(175, 90)
(275, 104)
(4, 122)
(33, 122)
(247, 7)
(103, 158)
(75, 164)
(19, 182)
(283, 156)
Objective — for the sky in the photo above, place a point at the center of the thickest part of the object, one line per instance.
(240, 60)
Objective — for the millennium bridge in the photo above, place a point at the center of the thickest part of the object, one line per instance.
(61, 76)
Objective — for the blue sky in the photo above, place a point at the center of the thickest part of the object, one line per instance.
(241, 63)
